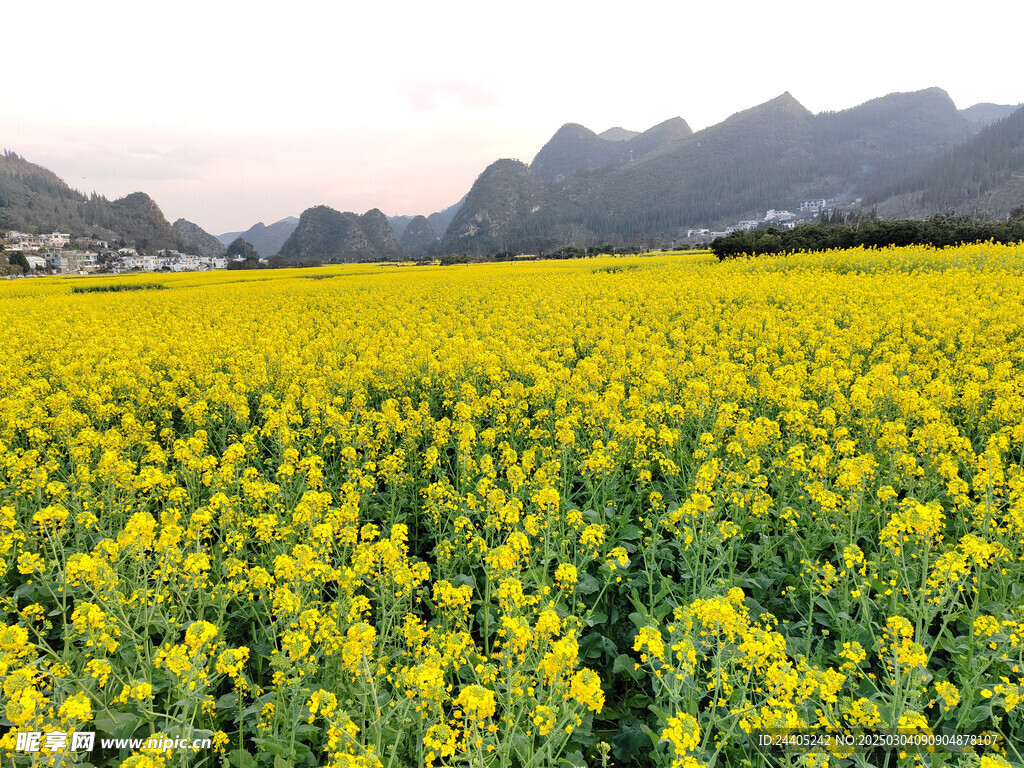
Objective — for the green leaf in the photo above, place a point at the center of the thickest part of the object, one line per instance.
(655, 738)
(659, 712)
(587, 585)
(240, 758)
(594, 645)
(490, 614)
(272, 747)
(28, 591)
(464, 579)
(593, 516)
(630, 743)
(625, 665)
(630, 533)
(521, 745)
(227, 703)
(982, 713)
(119, 725)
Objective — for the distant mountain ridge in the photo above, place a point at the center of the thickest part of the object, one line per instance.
(618, 134)
(576, 148)
(440, 220)
(267, 240)
(418, 237)
(986, 114)
(197, 240)
(772, 155)
(332, 236)
(437, 221)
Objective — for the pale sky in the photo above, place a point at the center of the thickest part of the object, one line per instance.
(229, 113)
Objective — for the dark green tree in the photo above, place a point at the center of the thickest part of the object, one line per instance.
(241, 248)
(17, 259)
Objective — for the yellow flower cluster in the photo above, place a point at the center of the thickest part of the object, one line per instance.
(496, 515)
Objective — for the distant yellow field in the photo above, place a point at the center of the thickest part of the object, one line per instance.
(635, 511)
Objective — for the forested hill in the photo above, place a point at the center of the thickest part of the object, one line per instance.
(982, 176)
(34, 199)
(327, 235)
(502, 202)
(198, 240)
(986, 114)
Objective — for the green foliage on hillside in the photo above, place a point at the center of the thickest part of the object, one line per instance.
(970, 170)
(197, 240)
(418, 237)
(496, 211)
(574, 148)
(33, 199)
(380, 234)
(773, 155)
(241, 249)
(17, 259)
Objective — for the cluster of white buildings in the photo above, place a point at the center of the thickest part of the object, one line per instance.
(21, 241)
(781, 219)
(128, 260)
(816, 206)
(188, 262)
(92, 242)
(70, 262)
(50, 252)
(64, 261)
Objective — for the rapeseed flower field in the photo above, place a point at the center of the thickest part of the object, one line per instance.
(635, 511)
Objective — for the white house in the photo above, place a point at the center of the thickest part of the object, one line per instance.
(816, 206)
(72, 261)
(91, 242)
(20, 241)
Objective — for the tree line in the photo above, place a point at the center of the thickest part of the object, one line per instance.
(938, 231)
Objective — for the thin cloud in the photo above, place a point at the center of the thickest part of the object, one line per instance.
(435, 95)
